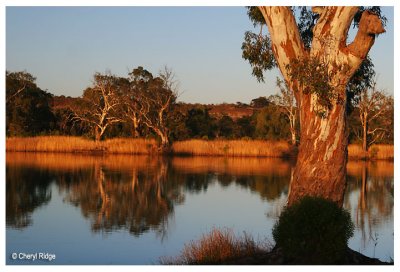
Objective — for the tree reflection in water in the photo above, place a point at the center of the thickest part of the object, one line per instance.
(139, 193)
(138, 200)
(369, 195)
(26, 190)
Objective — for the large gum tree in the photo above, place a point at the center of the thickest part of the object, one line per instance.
(318, 63)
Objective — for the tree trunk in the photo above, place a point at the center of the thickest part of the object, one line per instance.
(135, 122)
(293, 132)
(97, 134)
(365, 133)
(293, 139)
(163, 136)
(321, 164)
(164, 139)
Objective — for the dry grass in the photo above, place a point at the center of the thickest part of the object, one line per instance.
(375, 152)
(232, 148)
(217, 247)
(238, 148)
(69, 144)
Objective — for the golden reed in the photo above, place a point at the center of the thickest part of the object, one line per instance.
(251, 148)
(69, 144)
(255, 148)
(375, 152)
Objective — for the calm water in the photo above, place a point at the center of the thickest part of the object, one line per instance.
(134, 210)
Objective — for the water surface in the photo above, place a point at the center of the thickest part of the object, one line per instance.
(136, 209)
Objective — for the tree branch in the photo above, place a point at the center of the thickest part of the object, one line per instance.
(369, 26)
(331, 29)
(286, 41)
(15, 94)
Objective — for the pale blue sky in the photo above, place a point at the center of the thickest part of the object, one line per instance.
(64, 46)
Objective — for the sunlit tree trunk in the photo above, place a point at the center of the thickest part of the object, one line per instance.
(321, 165)
(97, 134)
(135, 122)
(373, 105)
(365, 130)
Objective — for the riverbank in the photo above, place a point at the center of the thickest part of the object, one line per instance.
(231, 148)
(276, 257)
(223, 247)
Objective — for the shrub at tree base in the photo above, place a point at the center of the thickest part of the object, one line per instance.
(313, 231)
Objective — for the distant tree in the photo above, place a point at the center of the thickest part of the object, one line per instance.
(241, 105)
(28, 110)
(374, 112)
(200, 123)
(245, 126)
(99, 106)
(259, 102)
(226, 127)
(62, 109)
(17, 82)
(287, 105)
(176, 124)
(139, 80)
(271, 124)
(155, 97)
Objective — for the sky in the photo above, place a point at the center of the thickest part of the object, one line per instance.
(64, 46)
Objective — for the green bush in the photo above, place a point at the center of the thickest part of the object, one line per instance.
(313, 231)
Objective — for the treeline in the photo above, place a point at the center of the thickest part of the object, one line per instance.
(143, 105)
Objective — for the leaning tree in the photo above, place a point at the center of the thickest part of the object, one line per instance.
(318, 64)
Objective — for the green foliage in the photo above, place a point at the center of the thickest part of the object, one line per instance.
(245, 127)
(31, 111)
(260, 102)
(362, 79)
(313, 231)
(271, 124)
(306, 22)
(255, 16)
(256, 49)
(200, 123)
(177, 128)
(226, 127)
(313, 78)
(28, 109)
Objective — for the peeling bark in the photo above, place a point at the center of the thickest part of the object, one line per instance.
(321, 165)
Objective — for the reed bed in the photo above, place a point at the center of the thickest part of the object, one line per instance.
(217, 247)
(256, 148)
(231, 148)
(69, 144)
(375, 152)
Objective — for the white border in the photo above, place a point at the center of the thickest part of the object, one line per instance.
(195, 3)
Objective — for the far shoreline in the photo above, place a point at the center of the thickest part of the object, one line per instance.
(189, 148)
